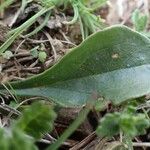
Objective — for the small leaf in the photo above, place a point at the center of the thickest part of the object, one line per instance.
(127, 126)
(101, 104)
(141, 124)
(134, 124)
(109, 125)
(36, 120)
(42, 56)
(130, 109)
(34, 51)
(7, 54)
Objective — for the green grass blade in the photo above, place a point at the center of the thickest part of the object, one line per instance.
(22, 28)
(76, 15)
(81, 117)
(40, 27)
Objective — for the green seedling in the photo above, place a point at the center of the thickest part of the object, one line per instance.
(42, 56)
(30, 127)
(129, 123)
(34, 52)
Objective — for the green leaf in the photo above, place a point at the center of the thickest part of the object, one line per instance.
(42, 56)
(15, 140)
(127, 125)
(113, 63)
(109, 125)
(36, 120)
(141, 124)
(133, 125)
(130, 124)
(34, 51)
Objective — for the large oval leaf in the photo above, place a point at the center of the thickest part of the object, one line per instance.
(114, 62)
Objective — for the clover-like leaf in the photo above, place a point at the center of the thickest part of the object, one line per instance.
(36, 120)
(130, 124)
(109, 125)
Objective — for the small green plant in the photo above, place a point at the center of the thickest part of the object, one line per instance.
(35, 121)
(38, 52)
(89, 23)
(129, 123)
(34, 52)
